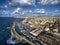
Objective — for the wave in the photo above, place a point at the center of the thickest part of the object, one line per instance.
(11, 40)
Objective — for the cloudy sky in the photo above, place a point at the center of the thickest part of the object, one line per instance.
(39, 6)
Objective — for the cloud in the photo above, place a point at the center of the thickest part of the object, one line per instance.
(57, 11)
(5, 12)
(30, 11)
(3, 7)
(6, 6)
(23, 2)
(39, 11)
(16, 11)
(49, 2)
(27, 11)
(20, 11)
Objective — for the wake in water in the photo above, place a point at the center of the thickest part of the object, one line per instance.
(12, 40)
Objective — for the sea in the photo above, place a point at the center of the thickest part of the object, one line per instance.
(5, 28)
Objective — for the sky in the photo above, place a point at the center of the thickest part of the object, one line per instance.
(36, 6)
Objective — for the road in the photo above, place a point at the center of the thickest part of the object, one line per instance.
(19, 37)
